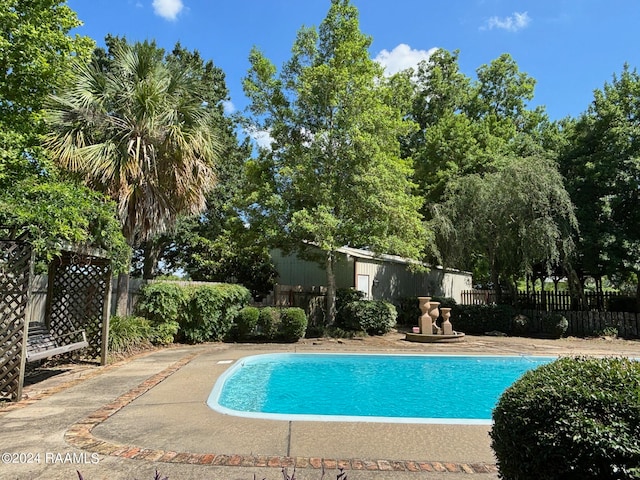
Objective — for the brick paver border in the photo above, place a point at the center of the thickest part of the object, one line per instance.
(79, 435)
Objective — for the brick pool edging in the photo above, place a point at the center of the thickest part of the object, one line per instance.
(80, 435)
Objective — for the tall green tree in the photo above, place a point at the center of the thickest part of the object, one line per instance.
(36, 57)
(173, 248)
(602, 167)
(53, 212)
(334, 163)
(468, 126)
(216, 244)
(513, 218)
(136, 128)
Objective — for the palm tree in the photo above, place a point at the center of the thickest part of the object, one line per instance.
(136, 128)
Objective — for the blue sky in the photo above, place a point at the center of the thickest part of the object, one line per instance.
(571, 47)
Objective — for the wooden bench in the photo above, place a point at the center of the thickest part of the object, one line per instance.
(41, 343)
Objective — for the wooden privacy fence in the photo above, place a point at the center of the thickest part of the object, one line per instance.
(310, 299)
(546, 300)
(584, 324)
(477, 297)
(563, 301)
(588, 324)
(588, 317)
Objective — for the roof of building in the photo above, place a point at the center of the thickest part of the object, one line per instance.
(369, 255)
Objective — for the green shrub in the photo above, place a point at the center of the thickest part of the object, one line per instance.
(408, 309)
(608, 331)
(128, 334)
(244, 324)
(521, 325)
(317, 331)
(164, 304)
(293, 324)
(345, 296)
(576, 418)
(164, 333)
(375, 317)
(268, 322)
(554, 325)
(445, 302)
(161, 302)
(212, 309)
(623, 304)
(479, 319)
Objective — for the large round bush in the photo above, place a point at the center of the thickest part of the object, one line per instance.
(376, 317)
(268, 322)
(244, 324)
(345, 296)
(293, 324)
(575, 418)
(555, 325)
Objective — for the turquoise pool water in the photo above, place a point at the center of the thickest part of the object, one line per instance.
(362, 387)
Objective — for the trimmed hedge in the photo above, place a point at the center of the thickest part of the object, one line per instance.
(479, 319)
(285, 324)
(268, 323)
(293, 324)
(212, 309)
(408, 309)
(213, 312)
(554, 325)
(445, 302)
(164, 333)
(575, 418)
(162, 302)
(204, 312)
(245, 323)
(345, 296)
(375, 317)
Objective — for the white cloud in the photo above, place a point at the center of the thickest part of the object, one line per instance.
(515, 22)
(228, 107)
(401, 58)
(262, 138)
(168, 9)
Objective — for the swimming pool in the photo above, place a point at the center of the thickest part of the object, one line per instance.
(368, 387)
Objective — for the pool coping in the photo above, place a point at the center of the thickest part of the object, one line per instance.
(47, 418)
(80, 436)
(213, 400)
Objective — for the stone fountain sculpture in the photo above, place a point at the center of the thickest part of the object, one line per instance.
(428, 330)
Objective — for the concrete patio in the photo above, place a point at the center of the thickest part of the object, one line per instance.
(126, 420)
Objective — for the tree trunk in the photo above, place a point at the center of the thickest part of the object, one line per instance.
(495, 279)
(638, 293)
(576, 289)
(330, 314)
(122, 298)
(513, 290)
(151, 255)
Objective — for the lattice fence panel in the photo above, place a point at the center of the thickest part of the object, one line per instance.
(15, 276)
(77, 292)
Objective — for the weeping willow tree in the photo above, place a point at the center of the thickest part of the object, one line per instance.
(509, 220)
